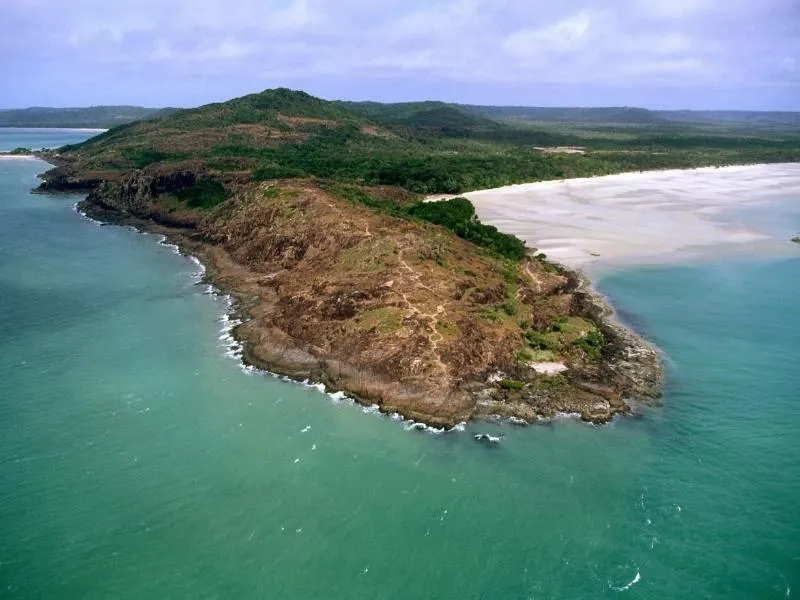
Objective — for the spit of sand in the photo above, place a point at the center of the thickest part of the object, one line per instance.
(639, 218)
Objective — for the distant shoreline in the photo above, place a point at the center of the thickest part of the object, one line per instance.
(642, 217)
(8, 156)
(82, 129)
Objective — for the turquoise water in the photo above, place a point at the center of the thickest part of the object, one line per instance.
(37, 138)
(137, 460)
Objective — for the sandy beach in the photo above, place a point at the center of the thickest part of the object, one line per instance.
(639, 218)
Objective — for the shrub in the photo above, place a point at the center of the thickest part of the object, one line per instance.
(510, 307)
(204, 194)
(538, 341)
(591, 344)
(511, 384)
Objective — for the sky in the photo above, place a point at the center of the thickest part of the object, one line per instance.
(668, 54)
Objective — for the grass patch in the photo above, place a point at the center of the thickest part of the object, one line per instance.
(385, 320)
(510, 272)
(370, 256)
(529, 355)
(267, 172)
(448, 331)
(549, 382)
(142, 157)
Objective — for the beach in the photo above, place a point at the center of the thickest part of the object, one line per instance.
(653, 217)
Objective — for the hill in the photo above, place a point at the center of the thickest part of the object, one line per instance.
(425, 118)
(93, 117)
(308, 212)
(733, 117)
(623, 115)
(424, 147)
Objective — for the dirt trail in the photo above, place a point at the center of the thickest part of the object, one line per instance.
(434, 336)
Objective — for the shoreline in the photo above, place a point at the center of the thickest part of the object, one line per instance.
(234, 315)
(632, 366)
(639, 359)
(634, 174)
(237, 315)
(641, 218)
(9, 156)
(628, 356)
(48, 129)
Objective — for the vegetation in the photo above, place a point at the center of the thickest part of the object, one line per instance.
(437, 148)
(20, 151)
(458, 215)
(511, 384)
(592, 344)
(203, 194)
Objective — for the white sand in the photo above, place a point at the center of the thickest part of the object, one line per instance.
(645, 217)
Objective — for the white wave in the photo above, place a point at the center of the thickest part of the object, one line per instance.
(235, 350)
(567, 415)
(163, 241)
(305, 429)
(635, 580)
(76, 209)
(416, 426)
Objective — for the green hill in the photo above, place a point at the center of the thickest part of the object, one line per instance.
(424, 147)
(622, 115)
(425, 118)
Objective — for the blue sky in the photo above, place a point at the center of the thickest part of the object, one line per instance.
(702, 54)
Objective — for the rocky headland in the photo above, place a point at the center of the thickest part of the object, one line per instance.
(349, 285)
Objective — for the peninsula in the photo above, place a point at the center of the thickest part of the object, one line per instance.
(311, 214)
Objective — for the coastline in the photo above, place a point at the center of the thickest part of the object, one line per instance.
(648, 217)
(271, 350)
(637, 354)
(288, 364)
(639, 358)
(9, 156)
(80, 129)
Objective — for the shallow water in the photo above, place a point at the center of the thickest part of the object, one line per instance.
(138, 460)
(37, 138)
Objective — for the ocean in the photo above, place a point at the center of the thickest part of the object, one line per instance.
(138, 459)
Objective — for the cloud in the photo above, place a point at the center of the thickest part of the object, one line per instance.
(675, 43)
(570, 34)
